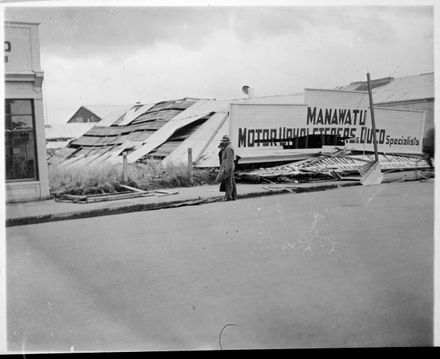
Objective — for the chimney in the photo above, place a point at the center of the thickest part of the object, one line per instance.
(248, 91)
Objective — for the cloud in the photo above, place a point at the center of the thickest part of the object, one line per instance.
(262, 23)
(124, 55)
(84, 31)
(90, 30)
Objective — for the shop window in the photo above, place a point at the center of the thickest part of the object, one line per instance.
(20, 141)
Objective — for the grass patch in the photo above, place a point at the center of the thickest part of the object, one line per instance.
(108, 178)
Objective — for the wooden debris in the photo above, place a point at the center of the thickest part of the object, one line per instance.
(101, 197)
(111, 197)
(132, 188)
(371, 174)
(163, 193)
(284, 188)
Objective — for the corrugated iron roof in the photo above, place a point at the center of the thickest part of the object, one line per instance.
(66, 130)
(128, 116)
(194, 112)
(176, 139)
(204, 139)
(405, 89)
(400, 89)
(158, 116)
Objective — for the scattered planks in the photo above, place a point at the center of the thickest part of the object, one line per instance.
(280, 187)
(132, 193)
(163, 193)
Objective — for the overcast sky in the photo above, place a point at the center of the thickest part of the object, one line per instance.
(120, 55)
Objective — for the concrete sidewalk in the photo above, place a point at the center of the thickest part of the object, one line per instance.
(51, 210)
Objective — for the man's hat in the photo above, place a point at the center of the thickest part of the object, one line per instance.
(226, 139)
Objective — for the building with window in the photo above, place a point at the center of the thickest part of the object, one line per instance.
(25, 144)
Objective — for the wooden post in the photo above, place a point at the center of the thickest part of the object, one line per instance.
(190, 165)
(373, 122)
(124, 167)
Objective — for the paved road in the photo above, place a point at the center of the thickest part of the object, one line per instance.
(350, 267)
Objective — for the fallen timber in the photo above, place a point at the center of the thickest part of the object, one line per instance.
(102, 197)
(342, 165)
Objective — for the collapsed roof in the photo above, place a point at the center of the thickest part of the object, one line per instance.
(158, 131)
(165, 130)
(139, 130)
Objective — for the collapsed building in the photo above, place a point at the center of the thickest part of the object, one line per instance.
(265, 131)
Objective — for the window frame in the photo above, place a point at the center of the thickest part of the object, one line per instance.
(33, 133)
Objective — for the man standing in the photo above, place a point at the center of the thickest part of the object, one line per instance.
(226, 171)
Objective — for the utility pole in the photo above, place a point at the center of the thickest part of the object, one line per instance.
(373, 122)
(371, 173)
(190, 165)
(124, 167)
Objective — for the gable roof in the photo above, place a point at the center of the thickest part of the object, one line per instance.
(103, 111)
(108, 112)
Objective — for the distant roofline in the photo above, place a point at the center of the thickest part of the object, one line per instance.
(7, 22)
(84, 107)
(92, 112)
(416, 99)
(392, 78)
(266, 96)
(335, 90)
(244, 102)
(385, 107)
(379, 79)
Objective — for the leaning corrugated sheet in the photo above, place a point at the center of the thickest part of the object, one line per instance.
(203, 142)
(195, 112)
(132, 114)
(112, 116)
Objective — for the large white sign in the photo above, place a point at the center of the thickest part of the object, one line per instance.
(283, 130)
